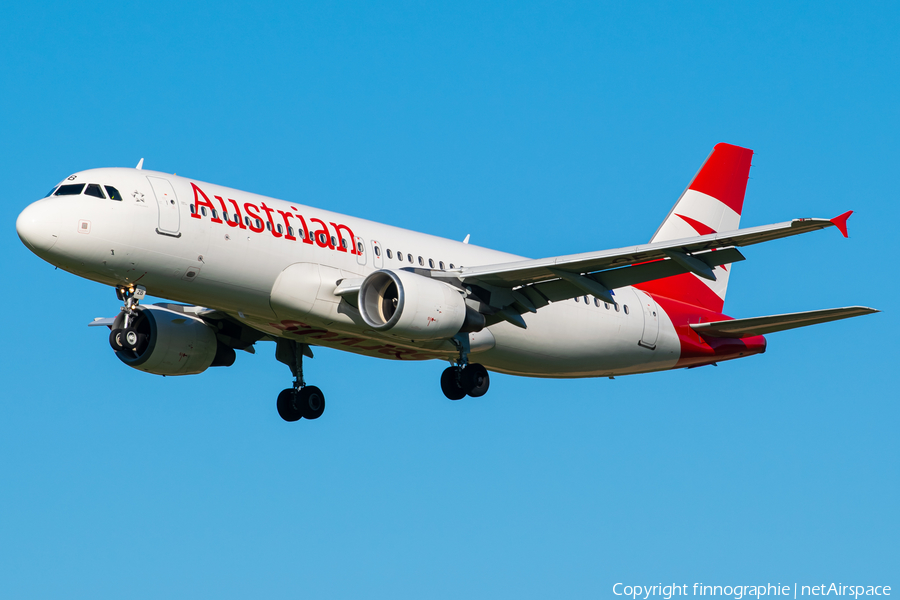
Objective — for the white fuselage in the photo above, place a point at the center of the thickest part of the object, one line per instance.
(152, 238)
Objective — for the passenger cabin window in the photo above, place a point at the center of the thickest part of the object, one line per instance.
(625, 308)
(431, 263)
(113, 193)
(193, 209)
(409, 258)
(279, 228)
(359, 247)
(400, 256)
(94, 190)
(203, 210)
(451, 266)
(389, 253)
(421, 262)
(377, 251)
(72, 189)
(441, 263)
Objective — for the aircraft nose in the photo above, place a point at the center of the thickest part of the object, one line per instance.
(38, 226)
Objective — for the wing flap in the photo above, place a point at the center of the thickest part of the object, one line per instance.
(740, 328)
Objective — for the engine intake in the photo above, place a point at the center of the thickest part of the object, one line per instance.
(414, 307)
(173, 343)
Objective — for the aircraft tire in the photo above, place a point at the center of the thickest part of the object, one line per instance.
(311, 402)
(475, 380)
(450, 384)
(114, 340)
(287, 407)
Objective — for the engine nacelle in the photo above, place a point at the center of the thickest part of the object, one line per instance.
(173, 343)
(411, 306)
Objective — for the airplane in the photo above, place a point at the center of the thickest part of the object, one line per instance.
(241, 268)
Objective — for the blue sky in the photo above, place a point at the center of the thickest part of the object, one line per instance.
(540, 129)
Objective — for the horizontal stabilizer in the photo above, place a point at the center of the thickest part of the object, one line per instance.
(741, 328)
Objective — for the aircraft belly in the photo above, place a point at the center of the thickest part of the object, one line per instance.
(569, 339)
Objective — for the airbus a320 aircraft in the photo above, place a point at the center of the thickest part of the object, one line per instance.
(247, 268)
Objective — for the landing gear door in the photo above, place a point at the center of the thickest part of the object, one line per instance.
(651, 320)
(377, 256)
(167, 204)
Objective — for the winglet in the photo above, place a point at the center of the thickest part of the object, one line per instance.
(841, 222)
(140, 165)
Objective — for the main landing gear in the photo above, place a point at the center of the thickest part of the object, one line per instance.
(464, 379)
(301, 401)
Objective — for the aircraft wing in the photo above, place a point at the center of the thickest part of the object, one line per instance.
(681, 252)
(741, 328)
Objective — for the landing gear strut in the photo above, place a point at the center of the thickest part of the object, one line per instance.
(301, 401)
(465, 378)
(123, 335)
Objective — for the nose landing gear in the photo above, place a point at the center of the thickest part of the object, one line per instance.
(123, 335)
(301, 401)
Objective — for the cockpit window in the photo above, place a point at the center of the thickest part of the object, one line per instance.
(94, 190)
(113, 193)
(72, 189)
(51, 192)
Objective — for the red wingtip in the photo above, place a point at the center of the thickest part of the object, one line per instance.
(841, 222)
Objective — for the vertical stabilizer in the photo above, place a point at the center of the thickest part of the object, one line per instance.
(712, 203)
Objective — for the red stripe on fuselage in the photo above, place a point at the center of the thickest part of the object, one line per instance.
(697, 349)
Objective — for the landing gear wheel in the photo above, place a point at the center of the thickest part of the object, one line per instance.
(287, 405)
(115, 340)
(130, 339)
(475, 380)
(310, 402)
(450, 383)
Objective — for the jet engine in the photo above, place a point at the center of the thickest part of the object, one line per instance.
(414, 307)
(166, 342)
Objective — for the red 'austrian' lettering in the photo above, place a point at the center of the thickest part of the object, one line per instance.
(201, 203)
(321, 237)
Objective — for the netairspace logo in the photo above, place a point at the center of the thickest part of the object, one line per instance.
(666, 592)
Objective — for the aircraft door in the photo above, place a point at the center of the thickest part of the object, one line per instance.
(651, 320)
(167, 204)
(377, 256)
(361, 251)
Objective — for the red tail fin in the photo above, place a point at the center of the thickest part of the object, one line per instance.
(712, 203)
